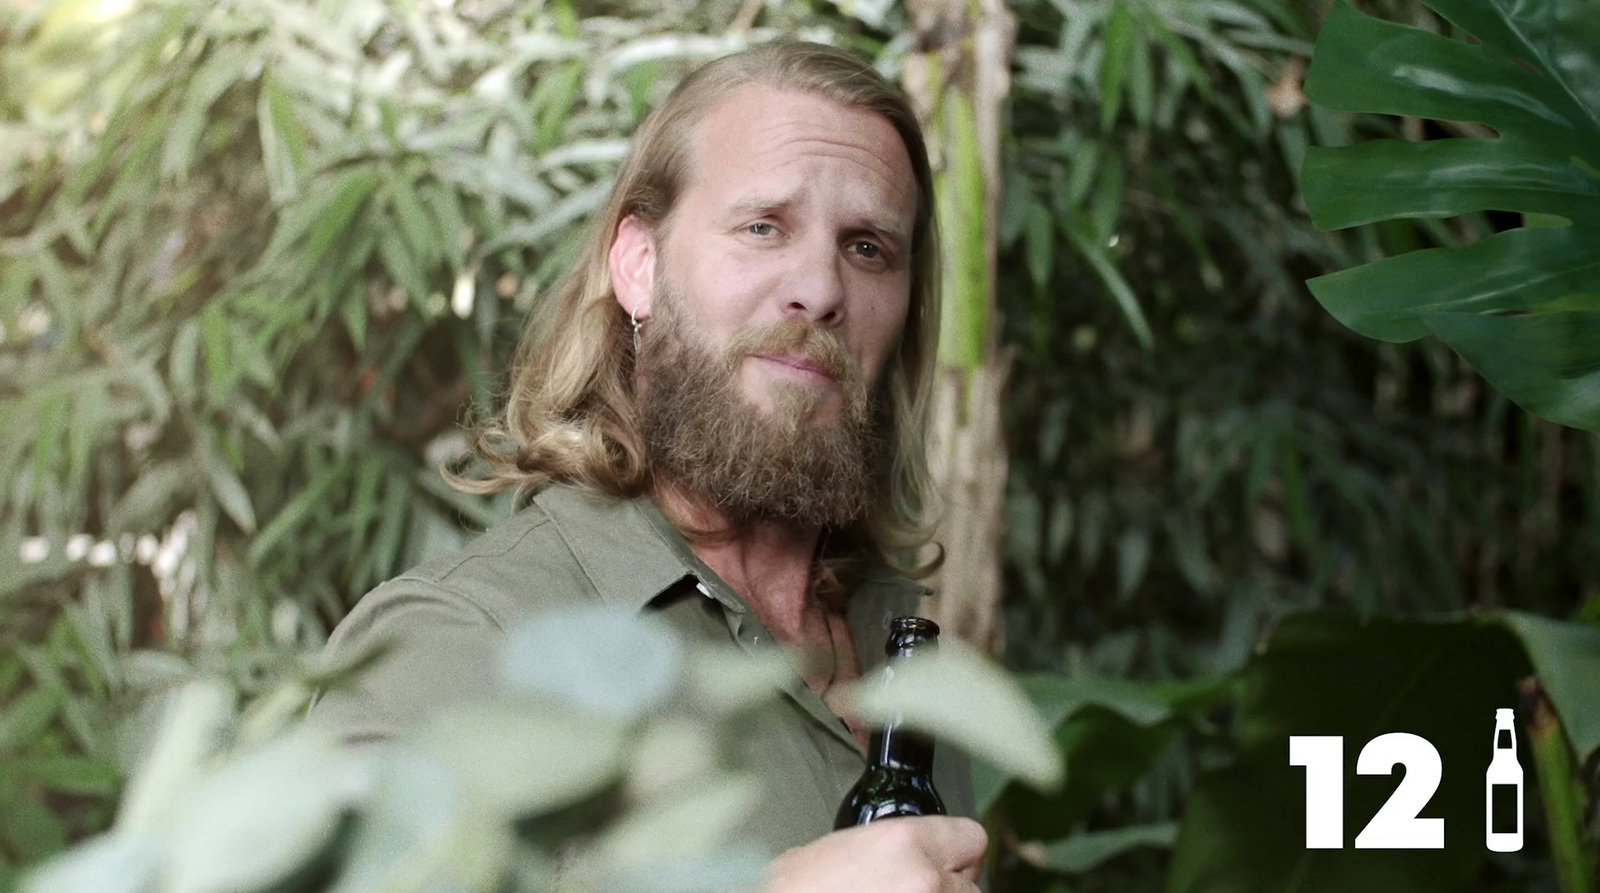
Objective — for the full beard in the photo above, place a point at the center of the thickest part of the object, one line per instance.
(788, 464)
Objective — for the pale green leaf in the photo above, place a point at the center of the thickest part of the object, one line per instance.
(523, 759)
(230, 492)
(189, 735)
(110, 863)
(262, 816)
(420, 833)
(723, 681)
(690, 820)
(960, 696)
(283, 141)
(571, 657)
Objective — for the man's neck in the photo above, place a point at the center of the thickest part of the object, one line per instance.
(768, 564)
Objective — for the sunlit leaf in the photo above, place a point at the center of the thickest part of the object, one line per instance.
(190, 733)
(523, 759)
(295, 788)
(283, 142)
(959, 696)
(421, 831)
(726, 681)
(571, 657)
(689, 820)
(1566, 657)
(110, 863)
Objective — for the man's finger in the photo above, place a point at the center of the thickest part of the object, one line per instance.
(958, 844)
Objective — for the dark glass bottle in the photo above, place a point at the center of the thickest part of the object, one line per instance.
(899, 776)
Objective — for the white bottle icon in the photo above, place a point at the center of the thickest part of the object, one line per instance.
(1503, 788)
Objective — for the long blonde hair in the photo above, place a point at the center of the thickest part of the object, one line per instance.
(570, 413)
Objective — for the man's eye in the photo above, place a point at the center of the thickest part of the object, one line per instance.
(752, 227)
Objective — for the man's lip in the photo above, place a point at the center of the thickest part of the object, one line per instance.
(798, 363)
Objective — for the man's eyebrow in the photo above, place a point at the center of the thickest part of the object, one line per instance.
(759, 204)
(763, 204)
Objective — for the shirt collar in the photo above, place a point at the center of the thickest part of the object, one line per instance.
(632, 554)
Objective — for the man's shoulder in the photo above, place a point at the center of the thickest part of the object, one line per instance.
(517, 566)
(509, 540)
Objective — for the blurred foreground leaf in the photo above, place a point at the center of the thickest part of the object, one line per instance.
(960, 696)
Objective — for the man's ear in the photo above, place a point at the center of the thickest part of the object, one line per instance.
(632, 262)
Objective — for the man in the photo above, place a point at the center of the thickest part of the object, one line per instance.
(720, 418)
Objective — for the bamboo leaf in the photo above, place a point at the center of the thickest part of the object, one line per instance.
(27, 718)
(1113, 280)
(145, 504)
(72, 774)
(555, 98)
(384, 556)
(1141, 77)
(294, 513)
(416, 224)
(1041, 245)
(1115, 59)
(211, 79)
(283, 141)
(325, 210)
(229, 490)
(402, 267)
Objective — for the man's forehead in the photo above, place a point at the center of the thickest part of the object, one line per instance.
(747, 146)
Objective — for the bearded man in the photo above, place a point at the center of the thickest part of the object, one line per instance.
(720, 418)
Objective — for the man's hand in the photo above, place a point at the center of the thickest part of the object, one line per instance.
(920, 854)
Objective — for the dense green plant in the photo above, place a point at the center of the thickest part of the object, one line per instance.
(256, 260)
(1172, 506)
(1519, 305)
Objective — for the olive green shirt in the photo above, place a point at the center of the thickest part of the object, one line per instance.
(447, 619)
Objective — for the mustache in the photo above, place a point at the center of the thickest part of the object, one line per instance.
(800, 338)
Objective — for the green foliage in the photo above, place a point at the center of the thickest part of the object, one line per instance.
(256, 260)
(1169, 509)
(1152, 62)
(1518, 305)
(617, 780)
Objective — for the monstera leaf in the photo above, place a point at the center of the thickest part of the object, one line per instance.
(1522, 306)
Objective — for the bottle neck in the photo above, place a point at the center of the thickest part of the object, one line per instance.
(893, 747)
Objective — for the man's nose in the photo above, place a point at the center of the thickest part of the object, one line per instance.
(816, 290)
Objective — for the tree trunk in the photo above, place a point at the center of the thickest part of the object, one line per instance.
(958, 80)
